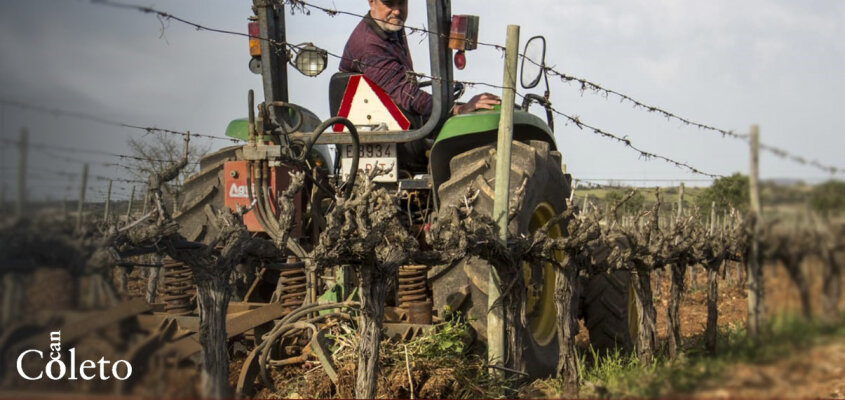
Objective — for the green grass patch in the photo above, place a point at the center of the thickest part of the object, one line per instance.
(623, 375)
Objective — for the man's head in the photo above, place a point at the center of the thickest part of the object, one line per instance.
(390, 15)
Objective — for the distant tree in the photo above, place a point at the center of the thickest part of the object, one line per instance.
(632, 206)
(726, 192)
(157, 152)
(828, 197)
(774, 193)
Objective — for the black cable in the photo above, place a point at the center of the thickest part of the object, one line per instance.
(353, 172)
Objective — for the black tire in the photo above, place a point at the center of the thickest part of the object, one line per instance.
(609, 311)
(464, 286)
(201, 190)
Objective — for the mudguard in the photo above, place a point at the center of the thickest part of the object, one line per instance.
(467, 131)
(239, 129)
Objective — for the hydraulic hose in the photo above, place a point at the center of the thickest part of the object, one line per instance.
(294, 110)
(264, 201)
(353, 171)
(261, 211)
(252, 198)
(265, 192)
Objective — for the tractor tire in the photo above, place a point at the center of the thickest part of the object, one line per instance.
(463, 287)
(201, 191)
(609, 311)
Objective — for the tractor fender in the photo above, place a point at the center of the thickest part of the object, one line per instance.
(464, 132)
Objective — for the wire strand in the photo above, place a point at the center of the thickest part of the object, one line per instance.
(302, 6)
(92, 118)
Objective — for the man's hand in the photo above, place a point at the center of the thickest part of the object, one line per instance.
(484, 101)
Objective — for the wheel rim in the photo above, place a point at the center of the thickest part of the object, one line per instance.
(540, 300)
(633, 313)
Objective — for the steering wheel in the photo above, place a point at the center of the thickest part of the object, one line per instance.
(457, 90)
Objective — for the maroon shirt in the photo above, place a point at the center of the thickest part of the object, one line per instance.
(384, 58)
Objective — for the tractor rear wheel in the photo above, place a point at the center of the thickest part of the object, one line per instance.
(204, 189)
(537, 170)
(610, 312)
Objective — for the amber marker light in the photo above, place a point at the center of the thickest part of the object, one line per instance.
(254, 41)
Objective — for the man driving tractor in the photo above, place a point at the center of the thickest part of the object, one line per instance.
(378, 48)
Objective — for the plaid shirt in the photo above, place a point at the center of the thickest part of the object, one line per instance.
(384, 58)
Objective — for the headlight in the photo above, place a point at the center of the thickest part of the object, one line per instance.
(310, 60)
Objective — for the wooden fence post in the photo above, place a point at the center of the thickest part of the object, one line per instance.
(129, 207)
(2, 160)
(81, 203)
(754, 275)
(681, 201)
(108, 204)
(495, 314)
(712, 326)
(712, 217)
(23, 148)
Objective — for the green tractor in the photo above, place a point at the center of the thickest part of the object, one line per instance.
(430, 167)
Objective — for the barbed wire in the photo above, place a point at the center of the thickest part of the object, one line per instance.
(60, 193)
(587, 85)
(801, 160)
(107, 178)
(167, 16)
(41, 146)
(66, 174)
(581, 125)
(46, 149)
(627, 142)
(593, 87)
(58, 190)
(93, 118)
(67, 159)
(62, 174)
(163, 15)
(301, 5)
(137, 158)
(646, 179)
(278, 45)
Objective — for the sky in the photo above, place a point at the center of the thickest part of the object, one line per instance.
(727, 64)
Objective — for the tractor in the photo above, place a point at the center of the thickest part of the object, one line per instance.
(429, 166)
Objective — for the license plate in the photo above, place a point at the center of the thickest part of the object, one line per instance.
(371, 155)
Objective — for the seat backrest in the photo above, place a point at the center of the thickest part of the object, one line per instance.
(337, 85)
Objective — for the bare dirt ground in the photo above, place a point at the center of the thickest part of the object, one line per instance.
(818, 372)
(815, 370)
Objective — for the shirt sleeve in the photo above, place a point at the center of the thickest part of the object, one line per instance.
(392, 76)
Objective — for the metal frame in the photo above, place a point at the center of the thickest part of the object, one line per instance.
(274, 61)
(439, 17)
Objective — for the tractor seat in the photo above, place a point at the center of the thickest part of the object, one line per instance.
(337, 85)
